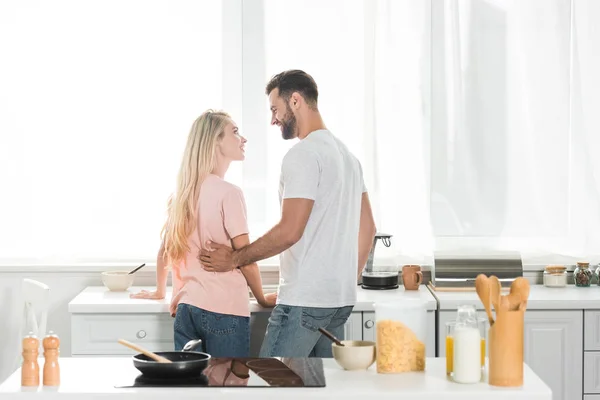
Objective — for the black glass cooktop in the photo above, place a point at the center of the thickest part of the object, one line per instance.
(242, 372)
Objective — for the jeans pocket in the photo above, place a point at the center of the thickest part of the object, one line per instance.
(182, 313)
(219, 324)
(315, 318)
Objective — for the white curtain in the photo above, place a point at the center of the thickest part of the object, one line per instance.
(585, 129)
(400, 131)
(511, 153)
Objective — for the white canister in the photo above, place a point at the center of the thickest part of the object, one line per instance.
(467, 354)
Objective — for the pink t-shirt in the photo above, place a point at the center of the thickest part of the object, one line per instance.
(221, 217)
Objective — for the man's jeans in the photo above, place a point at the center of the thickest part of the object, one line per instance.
(293, 331)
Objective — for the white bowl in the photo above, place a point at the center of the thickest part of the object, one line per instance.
(117, 281)
(355, 354)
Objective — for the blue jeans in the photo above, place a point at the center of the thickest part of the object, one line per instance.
(293, 331)
(222, 335)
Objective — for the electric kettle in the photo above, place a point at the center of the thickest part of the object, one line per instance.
(378, 280)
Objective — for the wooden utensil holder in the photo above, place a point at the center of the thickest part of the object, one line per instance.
(506, 348)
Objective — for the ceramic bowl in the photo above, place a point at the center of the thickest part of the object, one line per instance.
(355, 354)
(117, 281)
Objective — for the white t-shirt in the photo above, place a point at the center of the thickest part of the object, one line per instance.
(320, 269)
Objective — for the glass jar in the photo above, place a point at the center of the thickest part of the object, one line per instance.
(597, 274)
(582, 274)
(555, 276)
(466, 357)
(401, 330)
(484, 326)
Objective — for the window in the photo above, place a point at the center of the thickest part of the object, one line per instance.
(474, 121)
(96, 103)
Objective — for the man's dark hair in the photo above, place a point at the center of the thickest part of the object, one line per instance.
(292, 81)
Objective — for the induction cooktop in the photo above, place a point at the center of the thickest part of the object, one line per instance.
(242, 372)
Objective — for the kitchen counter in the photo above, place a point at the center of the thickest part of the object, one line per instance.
(93, 378)
(98, 299)
(540, 298)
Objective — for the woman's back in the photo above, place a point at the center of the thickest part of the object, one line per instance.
(221, 217)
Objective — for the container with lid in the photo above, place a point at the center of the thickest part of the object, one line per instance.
(555, 276)
(401, 331)
(583, 274)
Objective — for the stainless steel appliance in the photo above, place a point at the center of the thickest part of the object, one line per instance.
(459, 271)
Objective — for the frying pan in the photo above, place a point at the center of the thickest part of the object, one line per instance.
(185, 364)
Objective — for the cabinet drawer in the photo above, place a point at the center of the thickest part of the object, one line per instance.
(591, 397)
(591, 336)
(98, 333)
(591, 372)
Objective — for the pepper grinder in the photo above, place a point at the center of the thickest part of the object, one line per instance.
(30, 370)
(51, 368)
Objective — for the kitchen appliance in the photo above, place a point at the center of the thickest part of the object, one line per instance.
(380, 280)
(452, 272)
(241, 372)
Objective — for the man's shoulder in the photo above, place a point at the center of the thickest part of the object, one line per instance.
(300, 151)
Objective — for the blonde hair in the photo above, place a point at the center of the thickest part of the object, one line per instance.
(198, 162)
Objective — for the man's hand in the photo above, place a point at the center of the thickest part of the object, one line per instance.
(219, 259)
(144, 294)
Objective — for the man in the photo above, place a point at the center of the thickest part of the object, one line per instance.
(325, 233)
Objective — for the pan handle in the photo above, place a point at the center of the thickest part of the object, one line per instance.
(192, 345)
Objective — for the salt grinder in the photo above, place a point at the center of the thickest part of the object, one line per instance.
(51, 368)
(30, 370)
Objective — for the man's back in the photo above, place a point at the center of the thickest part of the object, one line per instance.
(320, 269)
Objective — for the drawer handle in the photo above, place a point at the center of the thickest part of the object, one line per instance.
(369, 324)
(141, 334)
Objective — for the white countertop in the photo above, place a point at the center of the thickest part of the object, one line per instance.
(92, 378)
(540, 298)
(98, 299)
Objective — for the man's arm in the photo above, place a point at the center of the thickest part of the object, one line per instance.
(294, 216)
(289, 230)
(366, 232)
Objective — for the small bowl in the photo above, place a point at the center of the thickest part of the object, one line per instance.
(355, 354)
(117, 281)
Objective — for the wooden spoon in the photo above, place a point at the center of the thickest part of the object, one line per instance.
(495, 290)
(148, 353)
(330, 336)
(482, 286)
(519, 288)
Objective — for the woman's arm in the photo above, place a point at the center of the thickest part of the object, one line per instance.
(252, 275)
(161, 279)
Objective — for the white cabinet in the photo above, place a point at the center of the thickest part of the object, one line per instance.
(368, 319)
(591, 372)
(97, 334)
(368, 325)
(554, 350)
(591, 356)
(353, 328)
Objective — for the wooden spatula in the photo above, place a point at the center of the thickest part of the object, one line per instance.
(145, 352)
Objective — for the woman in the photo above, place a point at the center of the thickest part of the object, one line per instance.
(208, 305)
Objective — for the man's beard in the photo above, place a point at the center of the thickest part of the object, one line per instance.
(288, 125)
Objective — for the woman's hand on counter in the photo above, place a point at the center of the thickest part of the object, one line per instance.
(145, 294)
